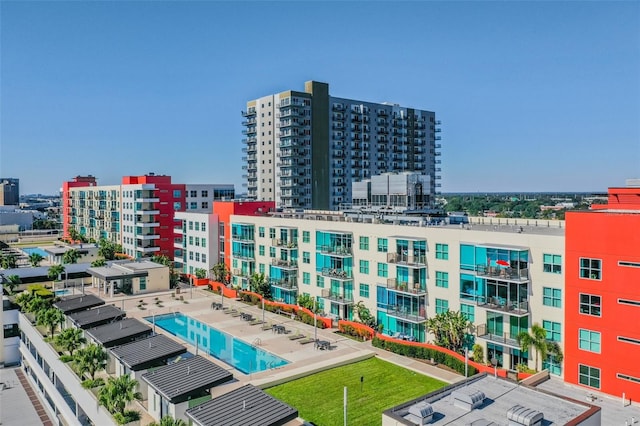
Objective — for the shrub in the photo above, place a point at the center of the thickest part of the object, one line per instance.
(524, 368)
(66, 358)
(90, 384)
(128, 417)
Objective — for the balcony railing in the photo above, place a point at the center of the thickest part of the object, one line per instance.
(500, 304)
(288, 264)
(412, 315)
(341, 298)
(339, 250)
(420, 260)
(483, 332)
(504, 273)
(241, 255)
(242, 237)
(336, 274)
(406, 287)
(286, 284)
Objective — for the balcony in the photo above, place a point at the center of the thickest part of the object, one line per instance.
(406, 313)
(336, 274)
(147, 237)
(483, 332)
(244, 255)
(148, 249)
(342, 251)
(287, 284)
(285, 264)
(241, 273)
(248, 113)
(147, 200)
(276, 242)
(503, 274)
(342, 299)
(408, 260)
(147, 224)
(500, 304)
(406, 287)
(242, 237)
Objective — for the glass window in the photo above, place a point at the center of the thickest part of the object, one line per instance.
(364, 266)
(589, 376)
(204, 242)
(203, 226)
(590, 268)
(320, 281)
(272, 232)
(197, 241)
(364, 290)
(469, 311)
(272, 252)
(143, 283)
(442, 251)
(261, 250)
(589, 340)
(177, 193)
(552, 263)
(306, 236)
(442, 279)
(197, 257)
(196, 226)
(261, 231)
(553, 329)
(261, 268)
(552, 364)
(383, 270)
(552, 297)
(204, 258)
(177, 206)
(442, 305)
(190, 226)
(364, 243)
(382, 245)
(190, 240)
(590, 304)
(205, 193)
(306, 278)
(306, 257)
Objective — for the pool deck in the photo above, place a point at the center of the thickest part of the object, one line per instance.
(304, 359)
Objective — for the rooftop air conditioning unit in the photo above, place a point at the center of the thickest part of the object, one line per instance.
(420, 413)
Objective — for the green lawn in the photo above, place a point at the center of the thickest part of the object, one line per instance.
(319, 397)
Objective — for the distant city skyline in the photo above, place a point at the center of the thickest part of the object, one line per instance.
(533, 96)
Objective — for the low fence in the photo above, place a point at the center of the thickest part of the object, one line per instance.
(356, 329)
(226, 291)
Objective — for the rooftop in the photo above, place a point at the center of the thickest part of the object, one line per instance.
(96, 316)
(247, 405)
(119, 332)
(176, 382)
(72, 304)
(146, 353)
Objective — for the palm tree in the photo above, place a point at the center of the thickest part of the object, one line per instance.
(35, 259)
(12, 282)
(55, 271)
(8, 261)
(168, 421)
(91, 359)
(201, 273)
(117, 393)
(70, 339)
(35, 304)
(259, 283)
(50, 317)
(221, 273)
(71, 256)
(536, 339)
(450, 330)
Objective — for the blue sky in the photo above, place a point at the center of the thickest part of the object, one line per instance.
(533, 96)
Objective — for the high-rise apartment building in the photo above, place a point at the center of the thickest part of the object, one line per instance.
(9, 192)
(602, 302)
(304, 149)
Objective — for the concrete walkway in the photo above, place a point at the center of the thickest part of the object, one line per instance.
(19, 403)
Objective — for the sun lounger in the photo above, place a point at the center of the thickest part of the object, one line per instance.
(296, 336)
(230, 311)
(267, 327)
(256, 322)
(307, 340)
(236, 314)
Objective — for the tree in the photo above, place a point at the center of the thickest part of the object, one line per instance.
(91, 359)
(450, 330)
(168, 421)
(259, 283)
(50, 317)
(98, 262)
(8, 261)
(36, 304)
(364, 315)
(55, 271)
(71, 256)
(108, 249)
(307, 301)
(70, 339)
(537, 340)
(12, 282)
(221, 273)
(117, 393)
(201, 273)
(35, 259)
(74, 235)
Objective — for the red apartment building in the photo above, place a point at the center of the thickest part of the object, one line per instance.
(602, 285)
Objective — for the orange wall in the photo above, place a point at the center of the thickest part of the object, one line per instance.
(610, 237)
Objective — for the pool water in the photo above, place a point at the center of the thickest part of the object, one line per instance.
(63, 292)
(36, 250)
(240, 355)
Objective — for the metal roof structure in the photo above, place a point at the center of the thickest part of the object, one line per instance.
(119, 332)
(247, 405)
(186, 378)
(150, 352)
(96, 316)
(72, 304)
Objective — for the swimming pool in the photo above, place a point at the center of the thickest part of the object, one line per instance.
(63, 292)
(240, 355)
(36, 250)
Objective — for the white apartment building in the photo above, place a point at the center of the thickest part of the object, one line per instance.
(200, 197)
(94, 211)
(196, 246)
(497, 275)
(304, 149)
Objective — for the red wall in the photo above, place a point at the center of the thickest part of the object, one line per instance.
(611, 237)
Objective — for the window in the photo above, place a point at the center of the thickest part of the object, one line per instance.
(553, 329)
(364, 266)
(190, 255)
(306, 257)
(320, 281)
(590, 268)
(193, 193)
(196, 226)
(442, 251)
(204, 204)
(272, 252)
(442, 305)
(261, 231)
(468, 311)
(628, 340)
(382, 270)
(193, 205)
(190, 226)
(197, 241)
(177, 206)
(627, 377)
(552, 297)
(190, 240)
(364, 243)
(590, 304)
(261, 268)
(552, 263)
(552, 364)
(261, 250)
(589, 340)
(629, 264)
(203, 226)
(204, 242)
(382, 245)
(197, 257)
(589, 376)
(205, 194)
(442, 279)
(306, 237)
(272, 232)
(364, 290)
(204, 258)
(177, 193)
(306, 278)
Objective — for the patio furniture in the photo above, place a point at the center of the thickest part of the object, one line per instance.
(306, 340)
(256, 322)
(236, 313)
(296, 336)
(323, 345)
(267, 327)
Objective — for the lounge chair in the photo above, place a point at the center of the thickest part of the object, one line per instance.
(230, 311)
(256, 322)
(235, 313)
(296, 336)
(307, 340)
(266, 327)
